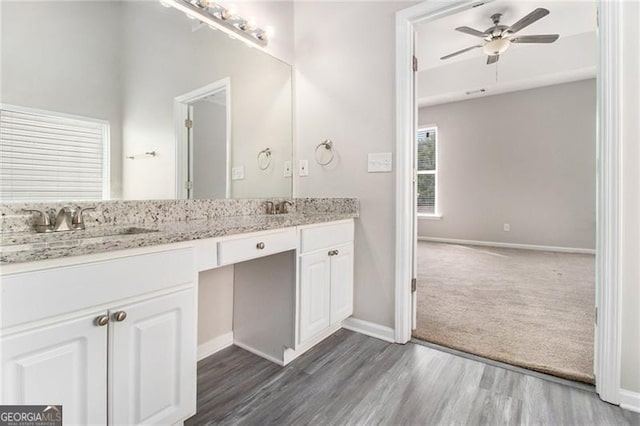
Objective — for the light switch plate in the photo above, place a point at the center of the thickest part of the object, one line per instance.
(287, 169)
(379, 162)
(237, 173)
(303, 168)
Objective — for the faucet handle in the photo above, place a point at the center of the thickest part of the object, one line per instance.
(269, 208)
(44, 221)
(78, 219)
(283, 206)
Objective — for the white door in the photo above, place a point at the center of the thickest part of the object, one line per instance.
(315, 293)
(152, 364)
(414, 189)
(342, 283)
(61, 364)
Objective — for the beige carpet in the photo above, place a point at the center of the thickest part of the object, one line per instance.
(528, 308)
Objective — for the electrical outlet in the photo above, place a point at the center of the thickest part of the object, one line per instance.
(287, 169)
(379, 162)
(237, 173)
(506, 227)
(303, 168)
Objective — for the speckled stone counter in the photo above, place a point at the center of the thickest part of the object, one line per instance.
(119, 225)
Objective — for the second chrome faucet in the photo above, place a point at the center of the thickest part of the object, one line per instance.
(277, 208)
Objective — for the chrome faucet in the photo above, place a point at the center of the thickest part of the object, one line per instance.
(67, 219)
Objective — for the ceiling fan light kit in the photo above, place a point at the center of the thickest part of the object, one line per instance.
(498, 38)
(496, 47)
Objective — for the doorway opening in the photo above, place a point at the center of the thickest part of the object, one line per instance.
(505, 203)
(203, 142)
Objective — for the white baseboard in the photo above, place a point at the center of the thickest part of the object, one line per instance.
(370, 329)
(215, 345)
(509, 245)
(259, 353)
(630, 400)
(290, 354)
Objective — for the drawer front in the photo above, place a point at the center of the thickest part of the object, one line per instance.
(255, 246)
(326, 236)
(37, 295)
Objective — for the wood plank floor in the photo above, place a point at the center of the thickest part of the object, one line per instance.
(353, 379)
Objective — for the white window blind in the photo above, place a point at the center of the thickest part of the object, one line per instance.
(48, 156)
(427, 171)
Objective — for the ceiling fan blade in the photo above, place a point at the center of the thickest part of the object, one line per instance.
(542, 38)
(492, 59)
(471, 31)
(537, 14)
(460, 51)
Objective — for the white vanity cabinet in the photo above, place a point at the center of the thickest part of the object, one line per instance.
(151, 360)
(63, 364)
(325, 278)
(116, 336)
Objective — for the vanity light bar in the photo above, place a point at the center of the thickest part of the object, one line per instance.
(219, 17)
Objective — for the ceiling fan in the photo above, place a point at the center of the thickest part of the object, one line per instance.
(498, 38)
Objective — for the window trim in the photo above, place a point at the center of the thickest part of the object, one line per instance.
(106, 138)
(436, 215)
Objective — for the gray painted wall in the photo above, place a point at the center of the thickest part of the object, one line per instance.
(215, 303)
(344, 91)
(525, 158)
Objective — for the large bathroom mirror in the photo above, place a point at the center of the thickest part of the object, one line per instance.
(131, 100)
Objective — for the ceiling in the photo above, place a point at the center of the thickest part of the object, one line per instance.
(521, 65)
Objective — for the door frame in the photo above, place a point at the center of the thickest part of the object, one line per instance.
(181, 106)
(607, 349)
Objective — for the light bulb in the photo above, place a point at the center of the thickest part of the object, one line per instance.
(164, 4)
(269, 31)
(213, 28)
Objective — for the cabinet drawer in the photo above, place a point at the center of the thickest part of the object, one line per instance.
(255, 246)
(326, 236)
(37, 295)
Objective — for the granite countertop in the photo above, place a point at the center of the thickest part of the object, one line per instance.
(18, 247)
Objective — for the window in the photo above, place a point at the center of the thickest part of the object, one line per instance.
(46, 156)
(427, 167)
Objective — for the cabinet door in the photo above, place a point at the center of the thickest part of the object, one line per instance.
(314, 294)
(60, 364)
(152, 361)
(342, 283)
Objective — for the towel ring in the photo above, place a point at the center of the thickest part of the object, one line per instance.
(328, 145)
(264, 159)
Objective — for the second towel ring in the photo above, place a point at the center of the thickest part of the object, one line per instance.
(328, 145)
(264, 164)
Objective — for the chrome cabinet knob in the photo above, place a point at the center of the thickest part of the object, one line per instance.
(102, 320)
(260, 246)
(120, 316)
